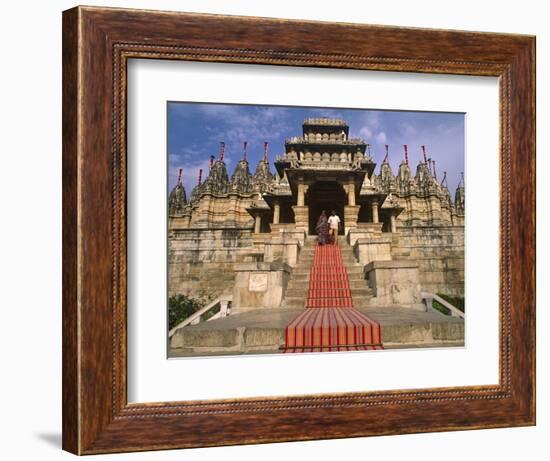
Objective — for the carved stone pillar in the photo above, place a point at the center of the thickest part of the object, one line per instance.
(375, 211)
(257, 223)
(301, 217)
(351, 194)
(276, 212)
(351, 213)
(393, 224)
(301, 193)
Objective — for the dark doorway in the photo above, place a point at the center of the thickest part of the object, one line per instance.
(328, 196)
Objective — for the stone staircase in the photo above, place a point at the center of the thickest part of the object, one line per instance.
(296, 292)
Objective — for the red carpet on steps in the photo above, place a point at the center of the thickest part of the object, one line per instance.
(330, 322)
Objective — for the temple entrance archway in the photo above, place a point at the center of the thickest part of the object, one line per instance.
(328, 196)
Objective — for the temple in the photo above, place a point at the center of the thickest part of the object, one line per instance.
(244, 236)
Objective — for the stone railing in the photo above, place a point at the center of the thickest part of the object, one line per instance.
(324, 121)
(306, 140)
(222, 301)
(429, 297)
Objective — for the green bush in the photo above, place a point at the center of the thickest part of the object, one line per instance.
(180, 307)
(456, 301)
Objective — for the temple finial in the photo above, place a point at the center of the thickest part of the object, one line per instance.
(387, 153)
(444, 180)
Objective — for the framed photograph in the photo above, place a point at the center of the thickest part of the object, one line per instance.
(281, 230)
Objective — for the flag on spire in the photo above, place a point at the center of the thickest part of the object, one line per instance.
(386, 156)
(200, 177)
(179, 176)
(444, 180)
(212, 161)
(265, 151)
(222, 151)
(435, 173)
(244, 150)
(424, 153)
(406, 154)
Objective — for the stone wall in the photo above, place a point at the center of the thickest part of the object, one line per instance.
(439, 252)
(202, 260)
(429, 210)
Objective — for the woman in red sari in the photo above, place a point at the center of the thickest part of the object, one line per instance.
(322, 228)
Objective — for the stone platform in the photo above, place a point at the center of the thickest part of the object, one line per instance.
(262, 331)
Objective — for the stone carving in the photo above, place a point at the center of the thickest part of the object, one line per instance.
(177, 200)
(263, 178)
(218, 180)
(242, 181)
(258, 282)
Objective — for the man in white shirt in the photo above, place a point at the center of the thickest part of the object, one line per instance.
(334, 226)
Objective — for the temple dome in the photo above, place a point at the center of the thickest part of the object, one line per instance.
(218, 180)
(177, 200)
(263, 176)
(241, 180)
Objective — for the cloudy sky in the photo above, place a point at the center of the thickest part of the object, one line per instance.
(195, 131)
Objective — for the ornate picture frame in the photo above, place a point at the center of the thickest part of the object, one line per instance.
(97, 44)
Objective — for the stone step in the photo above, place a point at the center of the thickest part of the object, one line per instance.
(304, 277)
(309, 260)
(364, 291)
(296, 299)
(362, 300)
(264, 331)
(292, 304)
(303, 286)
(351, 269)
(294, 292)
(301, 292)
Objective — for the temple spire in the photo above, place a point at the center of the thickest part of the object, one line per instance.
(222, 151)
(386, 156)
(177, 198)
(424, 153)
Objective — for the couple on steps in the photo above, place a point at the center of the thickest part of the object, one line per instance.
(327, 228)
